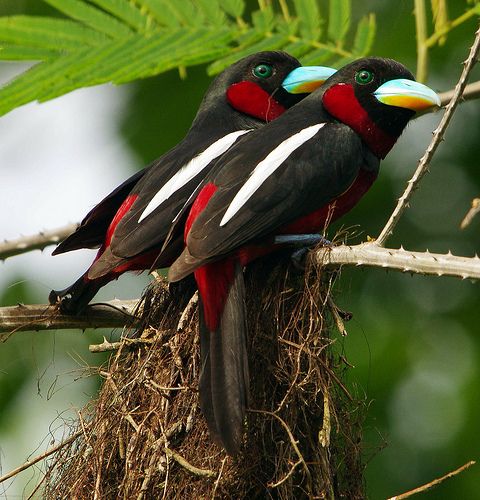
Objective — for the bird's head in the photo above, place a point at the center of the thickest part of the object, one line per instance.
(265, 84)
(376, 97)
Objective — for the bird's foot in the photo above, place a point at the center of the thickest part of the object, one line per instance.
(305, 241)
(301, 240)
(62, 300)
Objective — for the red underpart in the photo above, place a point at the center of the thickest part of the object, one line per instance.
(214, 279)
(140, 262)
(320, 218)
(137, 263)
(340, 101)
(251, 99)
(124, 208)
(199, 205)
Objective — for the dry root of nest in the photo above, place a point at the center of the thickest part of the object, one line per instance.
(145, 436)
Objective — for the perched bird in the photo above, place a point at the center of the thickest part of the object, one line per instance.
(131, 223)
(308, 167)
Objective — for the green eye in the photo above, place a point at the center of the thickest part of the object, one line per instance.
(363, 76)
(263, 71)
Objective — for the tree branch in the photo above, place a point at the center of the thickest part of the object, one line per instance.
(471, 91)
(432, 484)
(36, 242)
(437, 138)
(118, 313)
(372, 255)
(474, 210)
(113, 314)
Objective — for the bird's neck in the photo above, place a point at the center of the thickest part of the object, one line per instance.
(340, 101)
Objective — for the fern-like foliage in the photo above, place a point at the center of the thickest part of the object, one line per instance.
(99, 41)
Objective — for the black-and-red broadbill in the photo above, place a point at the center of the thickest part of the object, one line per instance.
(131, 223)
(312, 164)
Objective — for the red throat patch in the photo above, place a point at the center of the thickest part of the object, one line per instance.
(340, 101)
(251, 99)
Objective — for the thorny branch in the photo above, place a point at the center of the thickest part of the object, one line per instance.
(113, 314)
(371, 255)
(39, 241)
(424, 163)
(118, 313)
(471, 91)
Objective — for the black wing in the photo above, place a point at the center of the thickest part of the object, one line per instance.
(91, 232)
(313, 175)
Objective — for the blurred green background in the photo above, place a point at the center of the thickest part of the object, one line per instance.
(413, 340)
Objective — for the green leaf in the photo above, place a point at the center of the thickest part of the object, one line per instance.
(319, 56)
(298, 49)
(344, 60)
(271, 43)
(211, 11)
(264, 20)
(47, 32)
(91, 16)
(124, 10)
(119, 62)
(233, 7)
(308, 13)
(161, 12)
(119, 41)
(184, 13)
(338, 20)
(364, 36)
(17, 53)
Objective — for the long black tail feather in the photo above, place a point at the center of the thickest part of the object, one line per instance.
(224, 378)
(75, 298)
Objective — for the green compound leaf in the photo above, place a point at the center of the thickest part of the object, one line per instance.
(118, 41)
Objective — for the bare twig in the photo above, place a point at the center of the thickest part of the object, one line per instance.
(188, 466)
(471, 91)
(187, 312)
(38, 458)
(433, 483)
(217, 481)
(112, 314)
(372, 255)
(107, 346)
(336, 316)
(293, 441)
(474, 210)
(437, 138)
(286, 476)
(36, 242)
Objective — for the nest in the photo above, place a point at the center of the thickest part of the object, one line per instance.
(145, 436)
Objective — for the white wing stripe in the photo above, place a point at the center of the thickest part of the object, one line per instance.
(190, 170)
(267, 167)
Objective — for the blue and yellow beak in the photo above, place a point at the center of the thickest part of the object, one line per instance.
(407, 94)
(306, 79)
